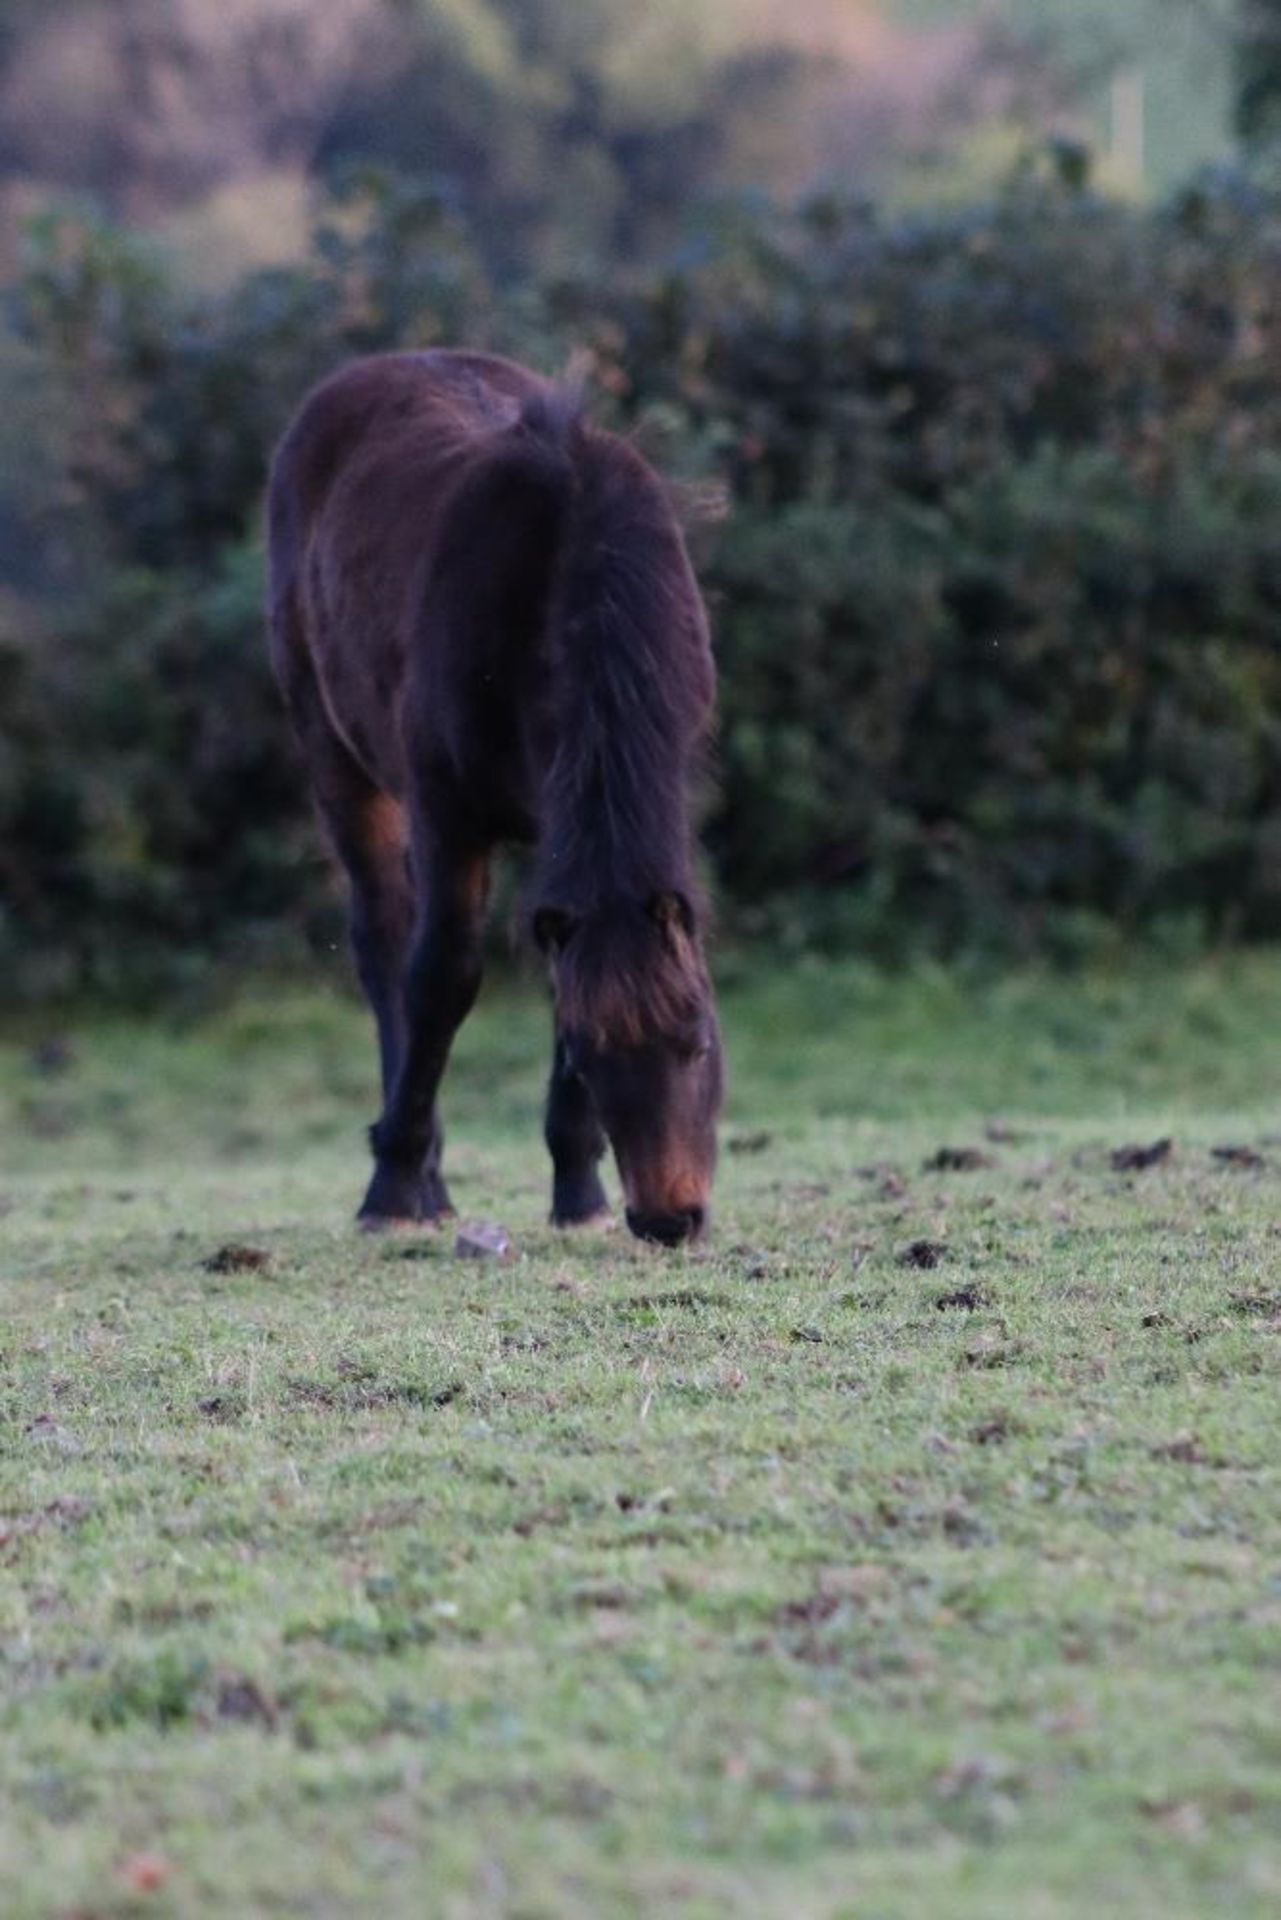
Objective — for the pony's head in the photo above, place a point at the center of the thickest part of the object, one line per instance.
(636, 1023)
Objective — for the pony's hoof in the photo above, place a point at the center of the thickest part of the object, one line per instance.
(401, 1222)
(602, 1221)
(386, 1223)
(397, 1202)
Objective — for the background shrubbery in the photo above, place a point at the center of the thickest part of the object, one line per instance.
(998, 603)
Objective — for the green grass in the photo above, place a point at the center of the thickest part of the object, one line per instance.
(780, 1578)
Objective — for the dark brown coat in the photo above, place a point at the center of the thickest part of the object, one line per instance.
(487, 630)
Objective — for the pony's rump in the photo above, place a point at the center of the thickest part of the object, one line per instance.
(515, 483)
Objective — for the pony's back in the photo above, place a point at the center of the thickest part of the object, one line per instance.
(479, 580)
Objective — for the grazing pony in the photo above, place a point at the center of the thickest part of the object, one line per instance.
(486, 629)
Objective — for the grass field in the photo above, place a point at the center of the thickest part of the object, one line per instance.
(795, 1576)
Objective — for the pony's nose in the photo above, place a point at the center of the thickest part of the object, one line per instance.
(669, 1229)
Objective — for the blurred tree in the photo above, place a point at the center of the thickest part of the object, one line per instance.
(567, 133)
(1258, 94)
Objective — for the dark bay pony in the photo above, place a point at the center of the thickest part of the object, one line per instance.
(487, 630)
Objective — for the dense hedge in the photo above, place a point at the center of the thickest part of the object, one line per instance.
(998, 602)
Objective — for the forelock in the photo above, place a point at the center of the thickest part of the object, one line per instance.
(623, 982)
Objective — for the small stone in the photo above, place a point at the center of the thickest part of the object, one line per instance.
(482, 1240)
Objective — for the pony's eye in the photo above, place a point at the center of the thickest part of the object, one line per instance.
(695, 1048)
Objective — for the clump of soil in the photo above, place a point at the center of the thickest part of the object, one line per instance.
(966, 1299)
(959, 1160)
(1139, 1159)
(924, 1255)
(237, 1258)
(749, 1142)
(1245, 1157)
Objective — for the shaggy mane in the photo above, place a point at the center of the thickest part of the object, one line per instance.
(633, 685)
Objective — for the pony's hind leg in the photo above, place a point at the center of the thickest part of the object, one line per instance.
(441, 984)
(576, 1141)
(381, 917)
(369, 835)
(367, 829)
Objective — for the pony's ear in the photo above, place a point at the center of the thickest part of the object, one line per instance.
(672, 914)
(552, 928)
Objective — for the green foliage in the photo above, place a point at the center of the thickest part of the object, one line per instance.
(1258, 96)
(996, 605)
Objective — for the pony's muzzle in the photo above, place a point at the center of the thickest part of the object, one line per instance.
(668, 1229)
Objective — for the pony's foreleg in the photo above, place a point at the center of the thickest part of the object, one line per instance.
(576, 1141)
(441, 984)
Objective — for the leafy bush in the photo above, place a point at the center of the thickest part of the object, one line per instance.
(997, 605)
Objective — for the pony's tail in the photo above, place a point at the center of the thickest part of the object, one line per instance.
(552, 420)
